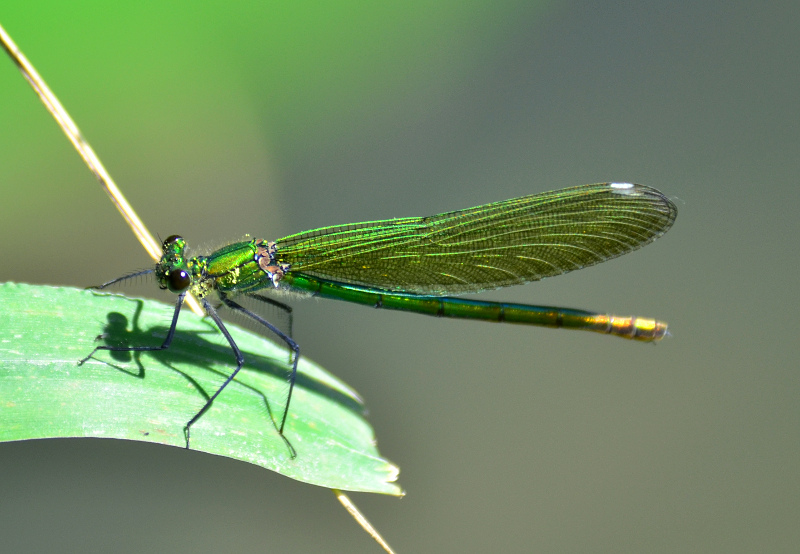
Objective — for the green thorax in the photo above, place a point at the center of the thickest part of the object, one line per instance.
(235, 268)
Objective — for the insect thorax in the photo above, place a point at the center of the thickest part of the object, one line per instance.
(266, 258)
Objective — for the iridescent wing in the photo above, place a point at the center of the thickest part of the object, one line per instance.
(494, 245)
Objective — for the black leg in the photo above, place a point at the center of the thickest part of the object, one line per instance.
(237, 353)
(284, 337)
(240, 360)
(123, 278)
(280, 305)
(164, 345)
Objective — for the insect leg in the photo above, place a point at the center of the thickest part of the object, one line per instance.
(164, 345)
(286, 308)
(239, 362)
(123, 278)
(284, 337)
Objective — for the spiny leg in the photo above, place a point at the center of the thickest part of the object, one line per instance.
(123, 278)
(287, 309)
(164, 345)
(239, 362)
(289, 342)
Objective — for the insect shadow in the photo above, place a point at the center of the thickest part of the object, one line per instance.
(194, 347)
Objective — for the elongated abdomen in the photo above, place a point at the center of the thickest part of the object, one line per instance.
(636, 328)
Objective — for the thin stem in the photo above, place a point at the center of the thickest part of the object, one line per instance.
(353, 510)
(147, 240)
(86, 152)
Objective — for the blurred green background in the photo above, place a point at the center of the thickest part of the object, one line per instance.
(220, 119)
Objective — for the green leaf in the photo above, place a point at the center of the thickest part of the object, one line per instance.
(149, 396)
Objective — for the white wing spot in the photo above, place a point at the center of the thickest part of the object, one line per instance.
(623, 188)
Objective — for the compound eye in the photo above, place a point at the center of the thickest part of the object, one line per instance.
(178, 280)
(170, 240)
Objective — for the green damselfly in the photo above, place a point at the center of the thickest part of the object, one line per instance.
(412, 264)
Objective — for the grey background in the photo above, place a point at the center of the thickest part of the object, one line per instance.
(512, 439)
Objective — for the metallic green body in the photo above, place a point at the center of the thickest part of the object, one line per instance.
(412, 264)
(480, 310)
(235, 270)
